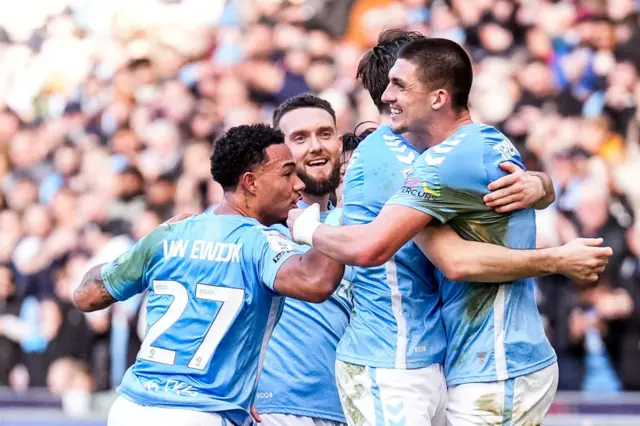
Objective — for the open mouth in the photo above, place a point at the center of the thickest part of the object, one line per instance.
(317, 163)
(395, 112)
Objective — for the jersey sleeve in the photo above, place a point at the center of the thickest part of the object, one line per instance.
(272, 249)
(123, 277)
(443, 186)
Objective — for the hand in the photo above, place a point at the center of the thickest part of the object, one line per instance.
(255, 414)
(303, 223)
(294, 214)
(583, 259)
(516, 191)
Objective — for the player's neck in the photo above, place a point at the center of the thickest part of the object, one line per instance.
(413, 138)
(440, 129)
(417, 141)
(321, 200)
(235, 204)
(385, 118)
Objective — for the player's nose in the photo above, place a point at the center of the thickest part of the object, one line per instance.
(388, 96)
(298, 185)
(314, 144)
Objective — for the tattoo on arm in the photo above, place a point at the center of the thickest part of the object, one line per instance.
(92, 295)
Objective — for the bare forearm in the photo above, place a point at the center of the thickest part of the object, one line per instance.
(549, 191)
(92, 295)
(493, 263)
(322, 269)
(462, 260)
(312, 277)
(350, 245)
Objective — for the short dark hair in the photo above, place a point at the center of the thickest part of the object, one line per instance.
(240, 150)
(442, 63)
(301, 101)
(373, 69)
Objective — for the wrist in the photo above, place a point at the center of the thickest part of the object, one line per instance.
(543, 192)
(304, 231)
(552, 260)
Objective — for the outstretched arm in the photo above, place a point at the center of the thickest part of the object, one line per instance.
(372, 244)
(462, 260)
(92, 295)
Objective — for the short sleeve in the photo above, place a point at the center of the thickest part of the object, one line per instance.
(434, 187)
(123, 277)
(272, 249)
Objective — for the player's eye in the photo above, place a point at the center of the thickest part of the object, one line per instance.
(299, 139)
(326, 135)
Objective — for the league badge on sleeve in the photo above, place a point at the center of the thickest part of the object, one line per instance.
(278, 242)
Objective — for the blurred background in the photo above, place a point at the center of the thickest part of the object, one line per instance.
(108, 109)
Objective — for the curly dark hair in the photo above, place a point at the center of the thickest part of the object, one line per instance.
(301, 101)
(240, 150)
(373, 69)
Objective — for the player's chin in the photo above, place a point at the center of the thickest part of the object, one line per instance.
(319, 174)
(398, 126)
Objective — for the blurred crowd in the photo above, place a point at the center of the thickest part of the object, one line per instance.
(108, 110)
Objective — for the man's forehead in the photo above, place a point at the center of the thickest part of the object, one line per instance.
(305, 119)
(277, 156)
(402, 69)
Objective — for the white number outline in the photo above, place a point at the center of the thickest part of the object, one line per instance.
(231, 299)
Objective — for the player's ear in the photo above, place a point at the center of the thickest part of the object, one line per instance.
(340, 144)
(249, 182)
(439, 99)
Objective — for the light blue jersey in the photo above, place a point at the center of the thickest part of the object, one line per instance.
(299, 368)
(494, 330)
(396, 320)
(210, 313)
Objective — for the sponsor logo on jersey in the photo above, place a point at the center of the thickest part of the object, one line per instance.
(278, 242)
(279, 256)
(429, 190)
(427, 194)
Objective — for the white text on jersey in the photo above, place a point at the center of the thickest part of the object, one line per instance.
(202, 250)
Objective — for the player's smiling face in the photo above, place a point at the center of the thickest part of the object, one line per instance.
(407, 97)
(277, 185)
(311, 135)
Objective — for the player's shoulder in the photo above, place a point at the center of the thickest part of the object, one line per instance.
(465, 150)
(381, 153)
(275, 236)
(384, 140)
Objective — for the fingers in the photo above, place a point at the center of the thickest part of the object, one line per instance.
(604, 252)
(500, 197)
(512, 207)
(592, 242)
(504, 181)
(510, 167)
